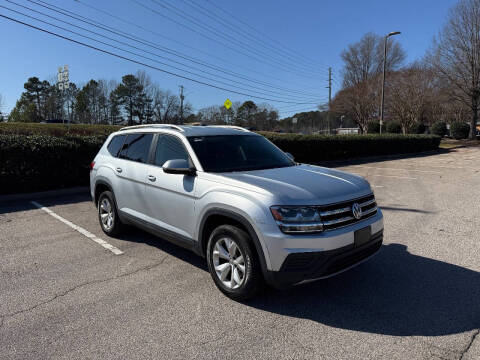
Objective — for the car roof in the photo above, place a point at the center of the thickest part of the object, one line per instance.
(189, 130)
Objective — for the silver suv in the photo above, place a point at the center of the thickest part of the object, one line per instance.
(233, 197)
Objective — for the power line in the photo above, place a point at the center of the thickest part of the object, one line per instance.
(255, 30)
(209, 54)
(137, 48)
(254, 38)
(219, 33)
(139, 62)
(226, 45)
(158, 47)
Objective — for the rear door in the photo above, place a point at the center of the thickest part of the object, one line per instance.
(170, 196)
(131, 170)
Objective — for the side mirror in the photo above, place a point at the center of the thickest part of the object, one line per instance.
(178, 166)
(290, 156)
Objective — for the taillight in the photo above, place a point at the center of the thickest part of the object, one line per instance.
(92, 164)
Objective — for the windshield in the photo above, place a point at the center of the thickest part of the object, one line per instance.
(226, 153)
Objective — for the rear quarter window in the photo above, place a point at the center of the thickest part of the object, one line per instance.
(115, 144)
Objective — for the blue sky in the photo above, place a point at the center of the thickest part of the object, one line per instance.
(303, 38)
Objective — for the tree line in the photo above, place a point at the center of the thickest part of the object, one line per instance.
(442, 87)
(135, 100)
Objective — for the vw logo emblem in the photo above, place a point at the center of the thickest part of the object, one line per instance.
(357, 211)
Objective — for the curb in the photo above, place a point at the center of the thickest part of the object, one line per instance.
(44, 194)
(334, 163)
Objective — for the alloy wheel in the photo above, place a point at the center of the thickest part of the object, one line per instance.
(106, 214)
(229, 262)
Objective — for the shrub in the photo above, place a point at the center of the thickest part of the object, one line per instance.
(38, 162)
(459, 130)
(394, 127)
(31, 163)
(56, 129)
(316, 148)
(418, 128)
(373, 127)
(439, 128)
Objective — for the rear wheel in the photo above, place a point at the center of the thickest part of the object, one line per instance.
(233, 263)
(108, 215)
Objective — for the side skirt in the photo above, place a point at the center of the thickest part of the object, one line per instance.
(161, 232)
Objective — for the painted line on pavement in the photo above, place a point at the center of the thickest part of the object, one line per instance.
(388, 176)
(390, 168)
(81, 230)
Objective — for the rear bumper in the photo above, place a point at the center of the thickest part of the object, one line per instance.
(304, 266)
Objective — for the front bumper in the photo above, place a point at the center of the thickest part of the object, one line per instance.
(304, 266)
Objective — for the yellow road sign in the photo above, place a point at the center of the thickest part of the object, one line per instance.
(227, 104)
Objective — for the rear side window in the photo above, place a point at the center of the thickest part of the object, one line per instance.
(115, 144)
(169, 148)
(136, 147)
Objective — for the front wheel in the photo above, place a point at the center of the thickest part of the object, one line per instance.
(233, 263)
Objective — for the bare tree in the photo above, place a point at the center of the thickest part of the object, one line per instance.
(363, 60)
(410, 90)
(363, 63)
(456, 55)
(359, 102)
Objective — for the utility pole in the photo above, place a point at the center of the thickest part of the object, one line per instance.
(382, 105)
(182, 97)
(329, 96)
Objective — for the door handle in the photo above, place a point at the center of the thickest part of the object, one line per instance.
(152, 178)
(119, 169)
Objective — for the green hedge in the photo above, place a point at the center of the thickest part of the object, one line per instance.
(316, 148)
(459, 130)
(30, 163)
(394, 127)
(56, 129)
(39, 162)
(439, 128)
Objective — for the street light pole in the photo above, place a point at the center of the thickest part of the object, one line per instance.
(384, 69)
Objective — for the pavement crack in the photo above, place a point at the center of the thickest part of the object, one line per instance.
(467, 348)
(66, 292)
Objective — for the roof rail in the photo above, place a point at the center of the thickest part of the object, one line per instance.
(231, 127)
(165, 126)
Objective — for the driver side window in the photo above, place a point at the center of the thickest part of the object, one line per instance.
(169, 148)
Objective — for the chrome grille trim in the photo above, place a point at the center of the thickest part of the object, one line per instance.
(334, 216)
(366, 203)
(334, 212)
(337, 221)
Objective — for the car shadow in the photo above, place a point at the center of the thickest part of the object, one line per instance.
(395, 293)
(398, 208)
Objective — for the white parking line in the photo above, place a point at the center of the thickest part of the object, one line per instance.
(390, 168)
(81, 230)
(388, 176)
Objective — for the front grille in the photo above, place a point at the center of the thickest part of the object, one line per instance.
(342, 263)
(341, 214)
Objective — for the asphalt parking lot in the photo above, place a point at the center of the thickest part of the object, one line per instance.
(64, 295)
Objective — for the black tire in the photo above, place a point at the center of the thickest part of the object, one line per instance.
(117, 226)
(252, 280)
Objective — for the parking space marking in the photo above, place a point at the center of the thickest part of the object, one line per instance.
(390, 168)
(388, 176)
(81, 230)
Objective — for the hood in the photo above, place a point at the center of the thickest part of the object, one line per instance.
(305, 184)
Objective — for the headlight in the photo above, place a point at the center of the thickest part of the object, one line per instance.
(295, 219)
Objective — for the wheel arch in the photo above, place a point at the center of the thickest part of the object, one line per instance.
(218, 216)
(100, 187)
